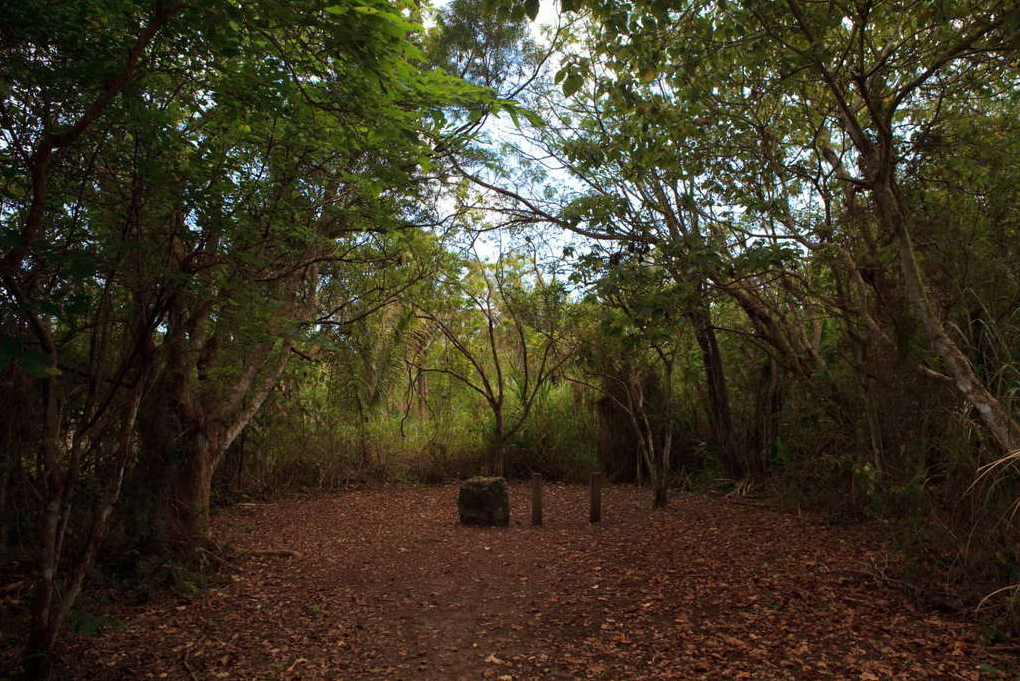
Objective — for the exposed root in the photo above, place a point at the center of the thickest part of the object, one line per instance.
(238, 551)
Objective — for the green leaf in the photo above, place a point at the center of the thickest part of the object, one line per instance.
(533, 118)
(572, 84)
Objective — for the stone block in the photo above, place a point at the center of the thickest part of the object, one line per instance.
(484, 501)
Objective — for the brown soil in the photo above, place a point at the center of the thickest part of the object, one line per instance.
(388, 586)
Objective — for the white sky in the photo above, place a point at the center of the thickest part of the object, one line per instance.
(489, 245)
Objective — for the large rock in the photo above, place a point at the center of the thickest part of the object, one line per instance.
(484, 501)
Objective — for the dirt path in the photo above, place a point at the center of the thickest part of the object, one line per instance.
(388, 586)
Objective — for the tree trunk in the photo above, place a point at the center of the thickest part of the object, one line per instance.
(721, 436)
(422, 395)
(365, 452)
(6, 473)
(996, 417)
(181, 445)
(497, 450)
(186, 427)
(173, 486)
(186, 523)
(618, 456)
(37, 657)
(496, 456)
(767, 406)
(654, 453)
(660, 498)
(56, 595)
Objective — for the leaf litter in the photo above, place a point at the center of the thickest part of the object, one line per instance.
(384, 584)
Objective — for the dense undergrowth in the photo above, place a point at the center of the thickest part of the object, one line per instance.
(952, 526)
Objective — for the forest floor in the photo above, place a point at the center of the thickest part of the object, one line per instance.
(388, 586)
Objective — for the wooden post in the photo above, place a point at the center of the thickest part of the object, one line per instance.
(595, 515)
(536, 499)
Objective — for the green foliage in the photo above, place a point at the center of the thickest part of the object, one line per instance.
(731, 148)
(254, 215)
(90, 624)
(559, 440)
(188, 193)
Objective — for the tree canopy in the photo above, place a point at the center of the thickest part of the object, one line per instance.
(716, 244)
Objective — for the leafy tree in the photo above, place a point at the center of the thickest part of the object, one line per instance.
(512, 342)
(632, 353)
(810, 163)
(178, 182)
(780, 80)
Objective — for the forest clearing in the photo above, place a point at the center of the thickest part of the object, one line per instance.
(387, 585)
(735, 258)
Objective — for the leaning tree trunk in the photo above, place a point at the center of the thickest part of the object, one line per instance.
(993, 413)
(878, 157)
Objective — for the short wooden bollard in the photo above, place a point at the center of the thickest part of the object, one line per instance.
(536, 499)
(595, 514)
